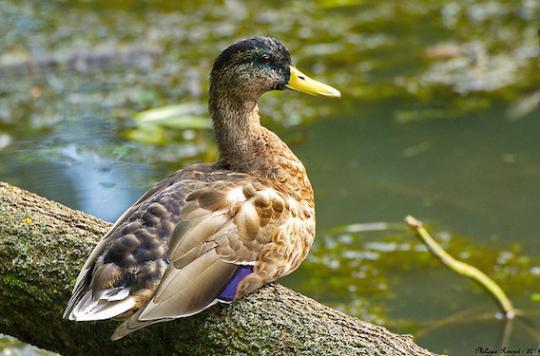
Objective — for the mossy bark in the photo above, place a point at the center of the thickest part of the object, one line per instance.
(43, 245)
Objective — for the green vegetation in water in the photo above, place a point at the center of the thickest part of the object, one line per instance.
(384, 262)
(446, 56)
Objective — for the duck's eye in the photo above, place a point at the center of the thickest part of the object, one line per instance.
(265, 58)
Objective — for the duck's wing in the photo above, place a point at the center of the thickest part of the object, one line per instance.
(213, 248)
(181, 248)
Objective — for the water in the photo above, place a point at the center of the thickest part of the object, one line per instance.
(438, 120)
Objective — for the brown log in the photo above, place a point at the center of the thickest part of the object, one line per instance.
(43, 245)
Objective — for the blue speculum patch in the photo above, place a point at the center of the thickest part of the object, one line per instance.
(228, 293)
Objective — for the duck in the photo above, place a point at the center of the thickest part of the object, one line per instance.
(210, 233)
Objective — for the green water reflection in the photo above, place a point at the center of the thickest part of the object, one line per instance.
(438, 119)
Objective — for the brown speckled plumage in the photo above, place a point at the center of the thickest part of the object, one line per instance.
(174, 251)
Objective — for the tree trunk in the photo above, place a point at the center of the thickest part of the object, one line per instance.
(43, 245)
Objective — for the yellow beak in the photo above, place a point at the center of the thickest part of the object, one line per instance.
(301, 82)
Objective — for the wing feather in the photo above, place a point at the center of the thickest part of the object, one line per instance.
(133, 324)
(190, 234)
(189, 290)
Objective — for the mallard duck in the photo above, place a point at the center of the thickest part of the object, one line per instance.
(210, 233)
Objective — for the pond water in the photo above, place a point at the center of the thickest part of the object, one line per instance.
(439, 119)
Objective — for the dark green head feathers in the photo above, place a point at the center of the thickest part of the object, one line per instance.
(256, 64)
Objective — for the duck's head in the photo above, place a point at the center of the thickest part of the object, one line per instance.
(249, 68)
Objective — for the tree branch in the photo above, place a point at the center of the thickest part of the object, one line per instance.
(43, 245)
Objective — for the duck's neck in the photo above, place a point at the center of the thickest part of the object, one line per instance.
(238, 130)
(245, 146)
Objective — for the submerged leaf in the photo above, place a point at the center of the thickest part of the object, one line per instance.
(165, 112)
(182, 116)
(148, 134)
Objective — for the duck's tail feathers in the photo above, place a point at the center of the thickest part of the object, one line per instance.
(81, 287)
(109, 304)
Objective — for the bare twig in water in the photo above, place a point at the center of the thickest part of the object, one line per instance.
(364, 227)
(473, 315)
(462, 268)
